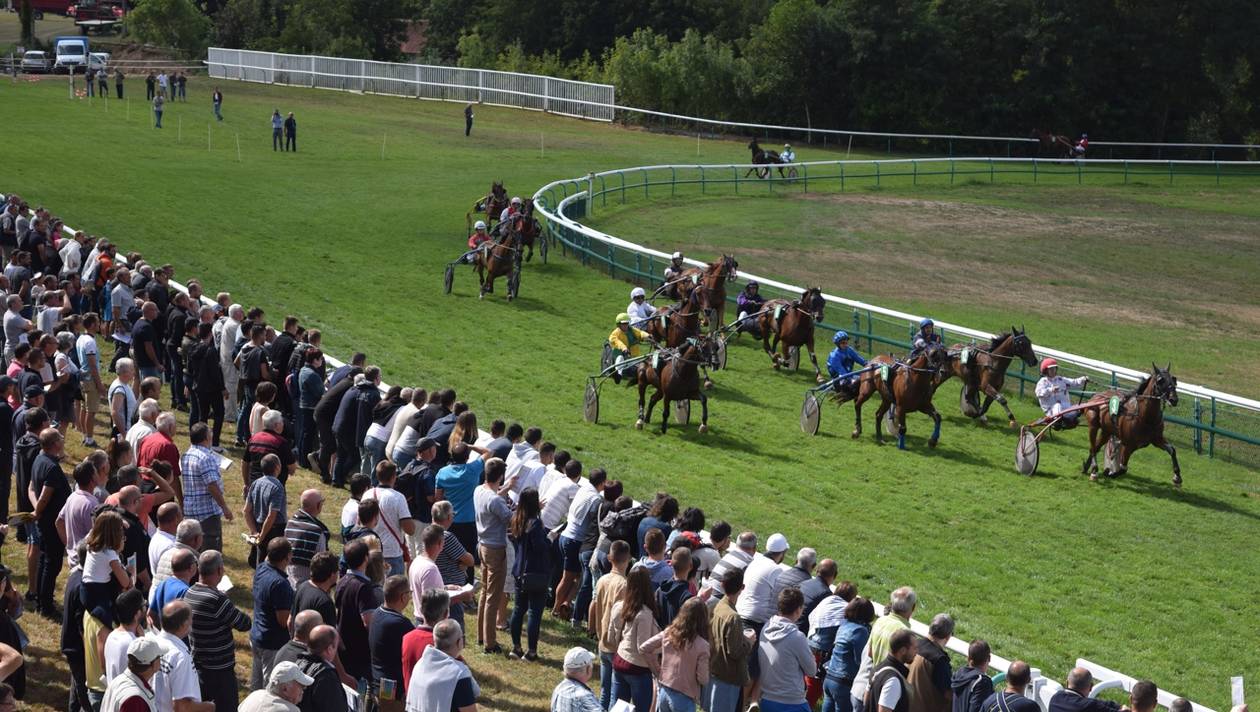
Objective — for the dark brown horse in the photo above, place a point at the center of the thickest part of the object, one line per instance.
(1051, 144)
(672, 325)
(909, 389)
(791, 324)
(762, 157)
(676, 377)
(985, 371)
(1138, 422)
(492, 204)
(526, 225)
(502, 259)
(710, 281)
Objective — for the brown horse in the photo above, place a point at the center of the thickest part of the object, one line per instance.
(1052, 144)
(501, 259)
(791, 324)
(710, 281)
(492, 204)
(985, 371)
(676, 377)
(1139, 422)
(762, 157)
(526, 225)
(909, 389)
(672, 325)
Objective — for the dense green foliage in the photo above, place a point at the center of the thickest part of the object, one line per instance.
(170, 23)
(368, 29)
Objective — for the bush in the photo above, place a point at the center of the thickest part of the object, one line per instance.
(170, 23)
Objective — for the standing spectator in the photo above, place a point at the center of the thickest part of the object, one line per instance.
(416, 483)
(673, 593)
(227, 331)
(784, 657)
(381, 424)
(441, 682)
(580, 519)
(159, 104)
(631, 622)
(188, 538)
(213, 620)
(395, 519)
(216, 101)
(418, 398)
(310, 391)
(203, 487)
(846, 656)
(122, 398)
(572, 694)
(280, 349)
(432, 608)
(273, 602)
(684, 658)
(277, 125)
(608, 591)
(456, 483)
(150, 83)
(532, 571)
(286, 685)
(325, 416)
(251, 361)
(89, 78)
(359, 484)
(314, 594)
(72, 635)
(492, 512)
(468, 119)
(1145, 695)
(423, 574)
(74, 521)
(177, 686)
(453, 561)
(265, 508)
(1076, 698)
(177, 316)
(104, 573)
(385, 637)
(15, 325)
(732, 646)
(757, 604)
(144, 425)
(971, 684)
(560, 494)
(815, 590)
(206, 383)
(897, 617)
(660, 516)
(102, 78)
(50, 490)
(163, 81)
(175, 586)
(130, 609)
(356, 600)
(308, 535)
(268, 440)
(133, 691)
(8, 439)
(794, 577)
(144, 335)
(183, 87)
(930, 675)
(118, 81)
(1012, 699)
(889, 689)
(26, 452)
(160, 447)
(325, 694)
(290, 133)
(303, 624)
(91, 385)
(350, 426)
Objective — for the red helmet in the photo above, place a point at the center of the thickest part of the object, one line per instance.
(1048, 363)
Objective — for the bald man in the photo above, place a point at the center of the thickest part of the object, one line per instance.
(307, 534)
(168, 518)
(303, 624)
(323, 695)
(1075, 697)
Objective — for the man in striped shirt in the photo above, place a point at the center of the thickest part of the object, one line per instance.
(307, 534)
(213, 620)
(203, 487)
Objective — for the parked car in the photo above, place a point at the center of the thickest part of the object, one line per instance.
(36, 62)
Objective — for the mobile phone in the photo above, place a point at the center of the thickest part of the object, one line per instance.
(131, 562)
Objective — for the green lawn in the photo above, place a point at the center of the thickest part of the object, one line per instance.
(1049, 568)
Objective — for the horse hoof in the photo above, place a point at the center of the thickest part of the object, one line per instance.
(482, 295)
(932, 443)
(819, 379)
(776, 365)
(708, 385)
(983, 420)
(1093, 477)
(704, 428)
(901, 446)
(856, 434)
(1012, 425)
(638, 424)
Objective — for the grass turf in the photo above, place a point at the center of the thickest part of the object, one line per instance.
(1047, 569)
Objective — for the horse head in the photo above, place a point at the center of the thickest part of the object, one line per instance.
(937, 357)
(812, 301)
(702, 349)
(497, 189)
(527, 207)
(1022, 347)
(754, 146)
(1164, 384)
(729, 267)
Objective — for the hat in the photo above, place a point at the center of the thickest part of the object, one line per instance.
(425, 444)
(146, 650)
(33, 391)
(289, 672)
(776, 544)
(578, 658)
(623, 318)
(637, 292)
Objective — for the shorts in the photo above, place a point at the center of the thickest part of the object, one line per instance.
(33, 537)
(569, 549)
(91, 396)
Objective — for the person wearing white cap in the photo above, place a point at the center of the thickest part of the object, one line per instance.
(132, 691)
(640, 310)
(676, 266)
(757, 603)
(513, 208)
(283, 692)
(572, 694)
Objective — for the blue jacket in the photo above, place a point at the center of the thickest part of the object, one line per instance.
(846, 655)
(354, 413)
(841, 362)
(533, 551)
(310, 387)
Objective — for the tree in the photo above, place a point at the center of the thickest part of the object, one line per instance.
(322, 27)
(382, 24)
(246, 24)
(170, 23)
(27, 18)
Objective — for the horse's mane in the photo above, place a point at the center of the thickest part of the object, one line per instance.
(997, 340)
(1141, 386)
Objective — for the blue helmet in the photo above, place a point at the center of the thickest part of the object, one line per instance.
(840, 336)
(926, 323)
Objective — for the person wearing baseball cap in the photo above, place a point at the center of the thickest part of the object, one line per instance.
(132, 691)
(572, 694)
(283, 692)
(624, 341)
(757, 603)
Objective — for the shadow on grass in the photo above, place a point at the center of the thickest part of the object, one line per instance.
(1164, 490)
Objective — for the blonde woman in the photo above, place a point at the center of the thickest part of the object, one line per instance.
(683, 649)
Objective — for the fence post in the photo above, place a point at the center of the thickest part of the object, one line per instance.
(645, 184)
(736, 179)
(312, 73)
(841, 177)
(876, 174)
(1034, 171)
(612, 261)
(1022, 378)
(590, 194)
(603, 191)
(915, 165)
(1126, 172)
(951, 171)
(1218, 168)
(1170, 173)
(1198, 426)
(651, 270)
(1078, 172)
(1212, 433)
(417, 81)
(870, 333)
(673, 181)
(805, 177)
(622, 174)
(546, 95)
(480, 83)
(702, 186)
(271, 78)
(990, 170)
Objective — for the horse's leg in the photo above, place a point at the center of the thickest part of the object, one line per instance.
(884, 405)
(936, 424)
(651, 404)
(642, 380)
(708, 382)
(1091, 462)
(665, 415)
(813, 358)
(899, 415)
(861, 398)
(1167, 447)
(774, 351)
(704, 412)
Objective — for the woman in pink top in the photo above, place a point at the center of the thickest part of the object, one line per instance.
(684, 651)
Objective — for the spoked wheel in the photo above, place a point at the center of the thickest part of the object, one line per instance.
(721, 355)
(1111, 456)
(811, 414)
(590, 404)
(794, 358)
(682, 412)
(542, 246)
(448, 280)
(606, 358)
(514, 284)
(1027, 452)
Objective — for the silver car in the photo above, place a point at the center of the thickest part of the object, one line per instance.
(36, 62)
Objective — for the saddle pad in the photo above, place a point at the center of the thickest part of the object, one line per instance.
(965, 356)
(778, 311)
(1113, 405)
(883, 373)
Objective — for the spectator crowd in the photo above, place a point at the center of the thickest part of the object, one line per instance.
(366, 598)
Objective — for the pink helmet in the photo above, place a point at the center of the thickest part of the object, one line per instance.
(1048, 363)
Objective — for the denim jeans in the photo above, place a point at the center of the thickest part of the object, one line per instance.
(375, 450)
(586, 589)
(147, 372)
(836, 696)
(721, 696)
(772, 706)
(304, 424)
(394, 566)
(242, 416)
(347, 459)
(636, 689)
(605, 680)
(535, 602)
(670, 700)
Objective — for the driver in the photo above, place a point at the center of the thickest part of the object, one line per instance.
(640, 310)
(788, 155)
(926, 335)
(749, 302)
(512, 210)
(479, 241)
(625, 340)
(840, 363)
(675, 267)
(1053, 393)
(1082, 145)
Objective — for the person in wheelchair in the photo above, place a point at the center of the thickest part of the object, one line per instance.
(479, 241)
(625, 341)
(1054, 394)
(840, 363)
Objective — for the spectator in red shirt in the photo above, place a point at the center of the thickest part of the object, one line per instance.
(434, 607)
(269, 441)
(161, 447)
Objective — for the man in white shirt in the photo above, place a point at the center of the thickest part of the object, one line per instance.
(168, 519)
(90, 374)
(889, 681)
(757, 603)
(145, 425)
(560, 495)
(555, 468)
(176, 686)
(395, 521)
(129, 611)
(226, 341)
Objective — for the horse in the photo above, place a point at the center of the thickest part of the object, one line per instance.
(762, 157)
(676, 377)
(1139, 422)
(503, 258)
(673, 325)
(910, 390)
(492, 204)
(792, 324)
(710, 281)
(1052, 144)
(986, 371)
(526, 225)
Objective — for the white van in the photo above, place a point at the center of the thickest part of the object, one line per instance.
(70, 52)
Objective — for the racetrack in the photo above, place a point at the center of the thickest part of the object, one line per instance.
(1049, 568)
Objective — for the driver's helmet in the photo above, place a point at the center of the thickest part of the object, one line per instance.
(787, 147)
(481, 225)
(637, 292)
(840, 336)
(1048, 363)
(623, 318)
(753, 284)
(677, 256)
(1084, 135)
(516, 200)
(925, 323)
